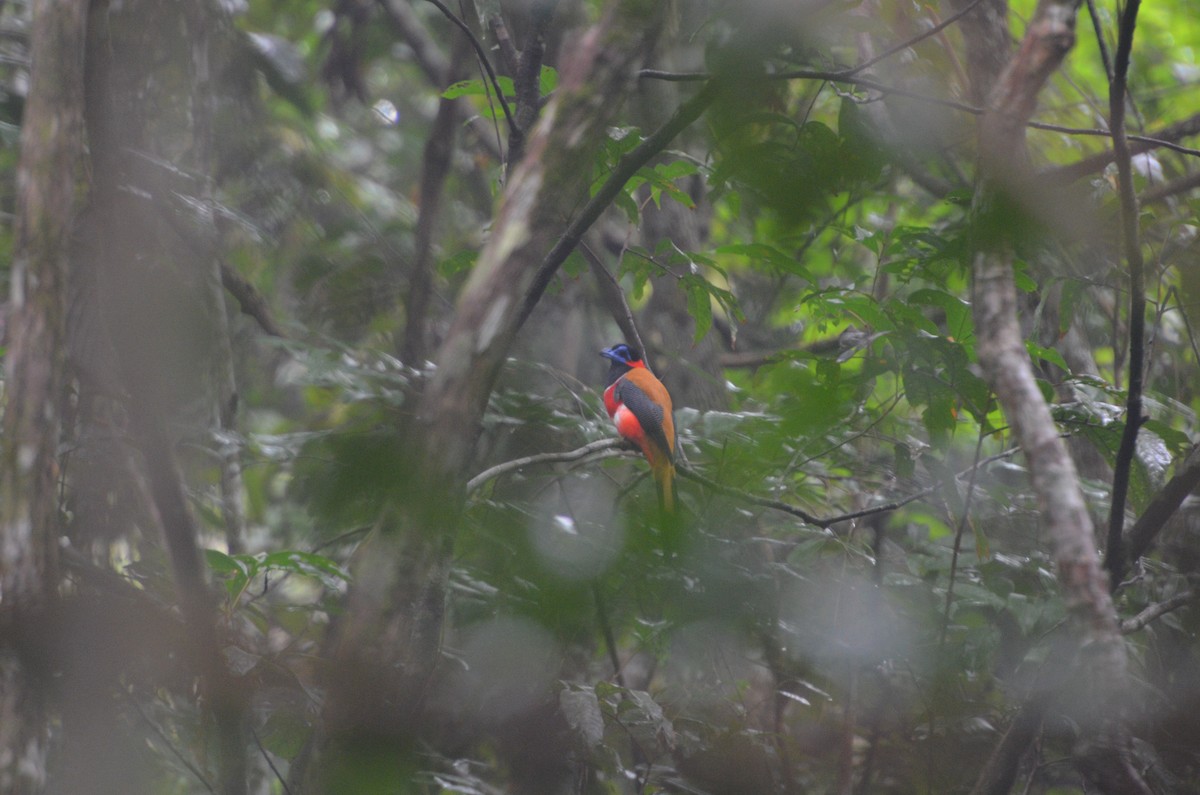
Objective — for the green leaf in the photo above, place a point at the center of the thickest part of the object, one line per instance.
(547, 80)
(458, 263)
(1047, 355)
(1068, 302)
(699, 303)
(478, 88)
(958, 312)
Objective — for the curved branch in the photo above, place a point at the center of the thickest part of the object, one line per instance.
(614, 297)
(1156, 611)
(1114, 559)
(904, 45)
(483, 59)
(1163, 506)
(604, 448)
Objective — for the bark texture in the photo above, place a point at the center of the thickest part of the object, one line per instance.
(47, 179)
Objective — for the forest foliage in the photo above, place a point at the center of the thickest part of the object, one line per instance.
(337, 506)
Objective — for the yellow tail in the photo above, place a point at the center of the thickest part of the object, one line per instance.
(664, 479)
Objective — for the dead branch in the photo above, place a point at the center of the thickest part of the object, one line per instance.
(1156, 611)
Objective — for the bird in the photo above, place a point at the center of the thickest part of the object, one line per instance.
(640, 407)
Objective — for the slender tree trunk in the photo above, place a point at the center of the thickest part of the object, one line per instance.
(47, 181)
(390, 638)
(1005, 197)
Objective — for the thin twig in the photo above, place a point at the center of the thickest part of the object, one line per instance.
(604, 448)
(958, 534)
(170, 745)
(610, 639)
(1105, 56)
(610, 448)
(482, 55)
(282, 781)
(1154, 611)
(615, 297)
(848, 76)
(936, 29)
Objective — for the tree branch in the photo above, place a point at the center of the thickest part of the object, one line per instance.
(626, 168)
(250, 300)
(1114, 559)
(614, 298)
(904, 45)
(847, 76)
(1155, 611)
(1163, 506)
(1000, 771)
(610, 448)
(1004, 187)
(1166, 136)
(527, 77)
(435, 168)
(436, 67)
(604, 448)
(483, 59)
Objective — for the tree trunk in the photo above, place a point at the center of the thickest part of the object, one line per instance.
(47, 179)
(1005, 197)
(390, 639)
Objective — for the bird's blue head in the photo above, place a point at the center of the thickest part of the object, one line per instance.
(622, 354)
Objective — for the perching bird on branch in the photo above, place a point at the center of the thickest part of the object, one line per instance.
(640, 407)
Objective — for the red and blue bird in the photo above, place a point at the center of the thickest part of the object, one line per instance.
(640, 407)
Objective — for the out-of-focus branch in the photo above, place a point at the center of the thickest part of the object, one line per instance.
(987, 43)
(925, 34)
(1004, 191)
(504, 42)
(48, 171)
(1168, 135)
(1000, 771)
(626, 167)
(1175, 187)
(1163, 506)
(250, 300)
(435, 168)
(1114, 559)
(436, 67)
(428, 56)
